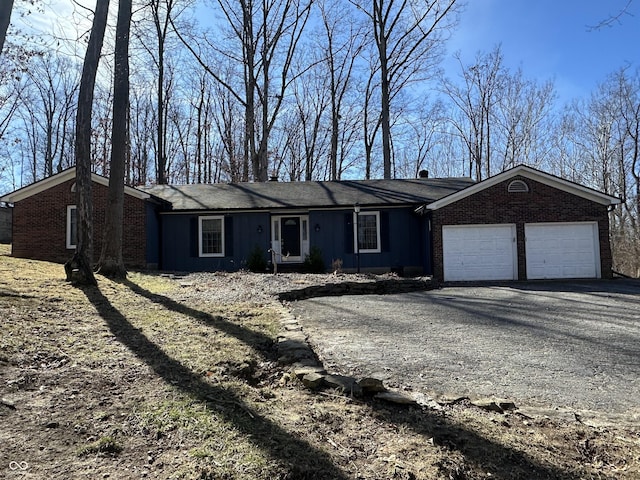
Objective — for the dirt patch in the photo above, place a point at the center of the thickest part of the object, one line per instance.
(177, 377)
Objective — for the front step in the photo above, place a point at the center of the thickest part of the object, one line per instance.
(290, 268)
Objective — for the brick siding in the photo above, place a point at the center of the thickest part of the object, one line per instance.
(541, 203)
(40, 225)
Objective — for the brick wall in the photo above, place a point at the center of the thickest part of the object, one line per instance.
(40, 223)
(5, 224)
(541, 203)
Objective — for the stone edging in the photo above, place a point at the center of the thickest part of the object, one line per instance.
(375, 287)
(294, 350)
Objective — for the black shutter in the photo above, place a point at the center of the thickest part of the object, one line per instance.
(228, 236)
(385, 233)
(193, 237)
(348, 233)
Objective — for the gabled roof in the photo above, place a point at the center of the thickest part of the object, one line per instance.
(530, 173)
(276, 195)
(59, 178)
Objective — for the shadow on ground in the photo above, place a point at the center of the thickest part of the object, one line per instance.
(302, 459)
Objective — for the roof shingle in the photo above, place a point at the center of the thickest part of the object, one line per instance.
(287, 195)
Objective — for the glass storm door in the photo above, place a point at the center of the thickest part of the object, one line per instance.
(290, 238)
(290, 234)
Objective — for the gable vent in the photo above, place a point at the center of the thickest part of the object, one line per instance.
(518, 186)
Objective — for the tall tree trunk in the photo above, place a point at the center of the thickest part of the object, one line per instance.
(6, 6)
(385, 122)
(111, 262)
(79, 267)
(250, 83)
(162, 26)
(161, 167)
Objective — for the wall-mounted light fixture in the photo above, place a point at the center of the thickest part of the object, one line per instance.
(317, 227)
(259, 229)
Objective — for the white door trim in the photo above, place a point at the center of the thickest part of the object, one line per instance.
(276, 238)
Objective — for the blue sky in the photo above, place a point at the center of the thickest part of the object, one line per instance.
(549, 39)
(552, 39)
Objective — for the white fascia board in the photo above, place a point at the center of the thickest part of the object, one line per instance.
(532, 174)
(54, 180)
(40, 186)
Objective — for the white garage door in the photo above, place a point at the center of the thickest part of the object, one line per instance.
(562, 250)
(479, 252)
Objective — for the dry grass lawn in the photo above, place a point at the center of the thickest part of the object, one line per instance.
(127, 381)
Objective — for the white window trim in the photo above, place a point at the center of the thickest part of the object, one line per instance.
(355, 233)
(200, 220)
(71, 244)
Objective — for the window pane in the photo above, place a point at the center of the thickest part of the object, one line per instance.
(367, 232)
(72, 227)
(212, 236)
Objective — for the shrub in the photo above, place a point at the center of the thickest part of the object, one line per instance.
(257, 261)
(313, 262)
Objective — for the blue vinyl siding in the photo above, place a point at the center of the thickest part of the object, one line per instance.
(403, 237)
(152, 227)
(180, 242)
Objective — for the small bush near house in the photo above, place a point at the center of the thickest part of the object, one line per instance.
(257, 261)
(313, 262)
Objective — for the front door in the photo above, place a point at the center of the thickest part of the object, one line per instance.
(290, 238)
(290, 230)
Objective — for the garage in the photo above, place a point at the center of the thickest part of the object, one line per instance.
(562, 250)
(479, 252)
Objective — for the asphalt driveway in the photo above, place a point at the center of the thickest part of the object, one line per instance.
(555, 345)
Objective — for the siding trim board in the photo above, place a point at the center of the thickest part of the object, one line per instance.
(532, 174)
(55, 180)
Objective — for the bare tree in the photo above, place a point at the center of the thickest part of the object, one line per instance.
(142, 118)
(614, 19)
(83, 257)
(475, 102)
(408, 39)
(52, 87)
(182, 122)
(522, 118)
(111, 262)
(624, 90)
(6, 6)
(162, 14)
(101, 131)
(306, 128)
(227, 120)
(423, 134)
(371, 117)
(264, 38)
(342, 42)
